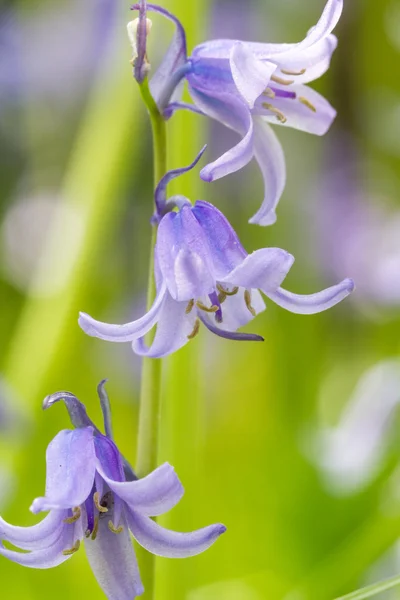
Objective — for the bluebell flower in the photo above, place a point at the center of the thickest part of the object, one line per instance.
(204, 275)
(93, 495)
(246, 86)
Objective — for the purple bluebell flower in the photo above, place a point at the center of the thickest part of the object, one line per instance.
(246, 86)
(204, 275)
(93, 495)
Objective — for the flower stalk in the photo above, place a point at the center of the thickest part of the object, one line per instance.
(372, 590)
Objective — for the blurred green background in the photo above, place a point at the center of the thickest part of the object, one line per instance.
(292, 443)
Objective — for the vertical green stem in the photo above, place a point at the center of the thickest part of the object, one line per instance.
(150, 394)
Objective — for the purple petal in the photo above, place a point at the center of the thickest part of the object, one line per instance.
(173, 329)
(70, 459)
(313, 303)
(271, 160)
(264, 269)
(41, 535)
(235, 312)
(113, 562)
(153, 495)
(174, 106)
(226, 250)
(250, 75)
(108, 458)
(315, 118)
(163, 542)
(129, 331)
(76, 410)
(183, 256)
(230, 335)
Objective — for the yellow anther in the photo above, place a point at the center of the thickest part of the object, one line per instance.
(195, 330)
(307, 103)
(233, 292)
(278, 113)
(209, 309)
(96, 500)
(222, 297)
(76, 515)
(247, 299)
(114, 529)
(289, 72)
(269, 93)
(281, 81)
(189, 306)
(95, 528)
(72, 550)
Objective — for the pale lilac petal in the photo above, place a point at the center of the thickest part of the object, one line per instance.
(235, 312)
(264, 269)
(153, 495)
(175, 106)
(112, 559)
(183, 256)
(173, 329)
(298, 115)
(71, 464)
(315, 60)
(327, 22)
(271, 160)
(163, 542)
(38, 536)
(313, 303)
(129, 331)
(226, 250)
(250, 75)
(108, 458)
(48, 556)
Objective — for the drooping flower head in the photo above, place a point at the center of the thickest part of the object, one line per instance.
(246, 86)
(93, 495)
(205, 276)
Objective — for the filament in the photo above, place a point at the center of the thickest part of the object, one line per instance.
(195, 330)
(114, 529)
(95, 528)
(247, 299)
(76, 515)
(221, 289)
(189, 306)
(72, 550)
(209, 309)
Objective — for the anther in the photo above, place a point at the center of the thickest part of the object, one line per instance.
(281, 81)
(195, 330)
(95, 528)
(278, 113)
(233, 292)
(307, 103)
(209, 309)
(294, 73)
(88, 533)
(222, 297)
(247, 299)
(96, 500)
(189, 306)
(269, 93)
(72, 550)
(114, 529)
(76, 515)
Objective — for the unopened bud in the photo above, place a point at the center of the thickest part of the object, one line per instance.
(138, 30)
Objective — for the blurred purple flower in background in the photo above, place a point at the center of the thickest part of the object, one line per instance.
(246, 85)
(93, 495)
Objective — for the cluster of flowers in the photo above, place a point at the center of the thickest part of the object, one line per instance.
(203, 276)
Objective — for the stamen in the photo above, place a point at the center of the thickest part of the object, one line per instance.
(307, 103)
(278, 113)
(289, 72)
(247, 299)
(269, 93)
(72, 550)
(222, 297)
(76, 515)
(88, 533)
(209, 309)
(227, 292)
(189, 306)
(114, 529)
(281, 81)
(195, 330)
(95, 528)
(96, 500)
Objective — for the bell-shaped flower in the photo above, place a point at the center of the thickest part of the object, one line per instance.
(93, 495)
(204, 275)
(246, 86)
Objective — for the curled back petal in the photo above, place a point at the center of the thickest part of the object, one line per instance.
(310, 62)
(129, 331)
(113, 561)
(236, 336)
(71, 465)
(171, 544)
(269, 155)
(251, 76)
(265, 269)
(76, 409)
(312, 303)
(38, 536)
(153, 495)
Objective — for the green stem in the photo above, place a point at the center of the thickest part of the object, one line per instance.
(150, 393)
(372, 590)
